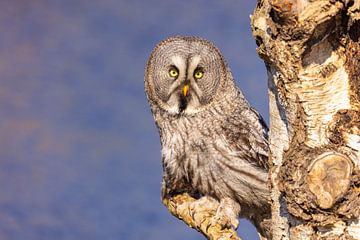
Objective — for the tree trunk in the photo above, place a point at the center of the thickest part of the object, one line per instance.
(311, 50)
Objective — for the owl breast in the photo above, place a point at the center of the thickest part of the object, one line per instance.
(197, 154)
(188, 158)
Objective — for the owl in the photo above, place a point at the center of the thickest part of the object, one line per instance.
(214, 144)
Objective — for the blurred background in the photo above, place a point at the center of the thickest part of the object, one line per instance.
(79, 150)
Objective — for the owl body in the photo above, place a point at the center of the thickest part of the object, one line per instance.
(204, 159)
(213, 142)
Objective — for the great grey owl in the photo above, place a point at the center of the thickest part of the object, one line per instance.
(214, 144)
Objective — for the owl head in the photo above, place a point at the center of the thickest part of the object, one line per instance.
(184, 75)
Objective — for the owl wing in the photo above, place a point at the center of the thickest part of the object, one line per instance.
(246, 133)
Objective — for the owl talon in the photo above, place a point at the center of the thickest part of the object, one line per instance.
(225, 221)
(227, 214)
(200, 209)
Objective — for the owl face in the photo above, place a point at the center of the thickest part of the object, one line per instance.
(183, 74)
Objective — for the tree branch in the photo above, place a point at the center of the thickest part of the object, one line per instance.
(199, 218)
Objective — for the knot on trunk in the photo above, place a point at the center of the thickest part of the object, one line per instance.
(329, 178)
(320, 184)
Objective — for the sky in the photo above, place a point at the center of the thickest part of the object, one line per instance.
(79, 150)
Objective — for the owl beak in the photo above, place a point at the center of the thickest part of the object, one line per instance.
(186, 90)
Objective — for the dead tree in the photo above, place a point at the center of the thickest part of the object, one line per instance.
(311, 49)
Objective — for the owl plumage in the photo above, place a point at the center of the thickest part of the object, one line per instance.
(214, 144)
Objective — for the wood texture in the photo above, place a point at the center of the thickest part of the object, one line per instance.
(312, 53)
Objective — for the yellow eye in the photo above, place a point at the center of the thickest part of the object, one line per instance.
(198, 74)
(173, 73)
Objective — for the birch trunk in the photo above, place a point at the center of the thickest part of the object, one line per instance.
(311, 50)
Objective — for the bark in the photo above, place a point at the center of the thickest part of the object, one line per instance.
(311, 50)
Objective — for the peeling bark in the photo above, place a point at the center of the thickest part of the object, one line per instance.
(311, 50)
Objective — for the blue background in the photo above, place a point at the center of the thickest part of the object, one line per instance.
(79, 150)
